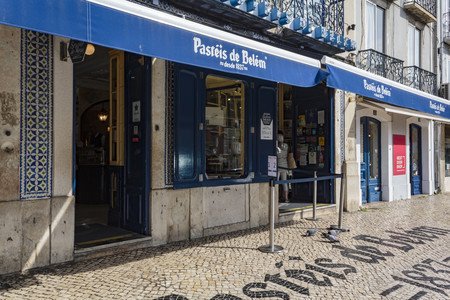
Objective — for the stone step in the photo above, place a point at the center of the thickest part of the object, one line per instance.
(112, 248)
(306, 213)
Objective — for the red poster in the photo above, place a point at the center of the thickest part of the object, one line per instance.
(399, 154)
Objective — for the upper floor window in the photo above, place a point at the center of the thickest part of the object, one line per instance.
(413, 46)
(374, 27)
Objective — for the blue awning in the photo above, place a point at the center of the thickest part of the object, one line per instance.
(135, 28)
(346, 77)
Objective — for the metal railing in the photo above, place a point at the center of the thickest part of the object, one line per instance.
(428, 5)
(380, 64)
(272, 247)
(325, 13)
(420, 79)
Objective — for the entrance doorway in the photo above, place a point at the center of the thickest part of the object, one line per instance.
(370, 159)
(415, 148)
(112, 138)
(306, 122)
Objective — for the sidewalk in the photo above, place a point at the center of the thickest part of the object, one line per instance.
(394, 250)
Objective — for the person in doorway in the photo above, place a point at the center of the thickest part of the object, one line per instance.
(282, 159)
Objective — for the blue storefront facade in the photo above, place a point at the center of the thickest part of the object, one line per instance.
(164, 131)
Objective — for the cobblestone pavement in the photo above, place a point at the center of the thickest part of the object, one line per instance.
(398, 250)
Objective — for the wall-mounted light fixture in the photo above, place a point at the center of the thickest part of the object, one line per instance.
(90, 49)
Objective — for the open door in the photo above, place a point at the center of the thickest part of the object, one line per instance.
(415, 148)
(135, 210)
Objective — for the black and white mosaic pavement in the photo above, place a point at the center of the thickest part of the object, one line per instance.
(398, 250)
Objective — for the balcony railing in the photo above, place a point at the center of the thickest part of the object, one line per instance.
(424, 10)
(446, 28)
(325, 13)
(380, 64)
(420, 79)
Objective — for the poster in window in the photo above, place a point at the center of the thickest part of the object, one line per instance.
(266, 127)
(302, 120)
(399, 162)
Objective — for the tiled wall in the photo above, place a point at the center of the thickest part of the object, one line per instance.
(36, 138)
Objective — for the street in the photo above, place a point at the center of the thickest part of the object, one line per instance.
(397, 250)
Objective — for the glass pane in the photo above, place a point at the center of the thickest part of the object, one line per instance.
(379, 45)
(361, 139)
(415, 159)
(447, 150)
(373, 150)
(224, 127)
(411, 45)
(370, 25)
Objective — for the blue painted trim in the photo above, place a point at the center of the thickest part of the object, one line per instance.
(332, 142)
(381, 91)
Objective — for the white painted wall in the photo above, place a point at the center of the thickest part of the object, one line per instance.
(62, 122)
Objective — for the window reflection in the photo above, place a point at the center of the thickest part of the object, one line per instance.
(224, 127)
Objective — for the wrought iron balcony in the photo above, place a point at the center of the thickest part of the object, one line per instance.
(420, 79)
(380, 64)
(325, 13)
(446, 28)
(423, 10)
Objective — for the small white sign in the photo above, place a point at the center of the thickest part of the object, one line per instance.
(266, 127)
(272, 166)
(136, 111)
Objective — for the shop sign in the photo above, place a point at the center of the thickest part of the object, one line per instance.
(399, 161)
(266, 127)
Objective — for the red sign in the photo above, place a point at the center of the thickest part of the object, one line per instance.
(399, 154)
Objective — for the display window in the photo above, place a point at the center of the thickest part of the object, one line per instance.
(224, 128)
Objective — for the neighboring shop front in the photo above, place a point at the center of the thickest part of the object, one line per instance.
(390, 136)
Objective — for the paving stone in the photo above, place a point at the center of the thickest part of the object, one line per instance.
(367, 263)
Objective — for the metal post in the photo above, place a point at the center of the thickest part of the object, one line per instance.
(341, 199)
(341, 202)
(314, 198)
(271, 248)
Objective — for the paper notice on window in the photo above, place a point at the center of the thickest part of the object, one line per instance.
(303, 160)
(321, 117)
(272, 166)
(312, 158)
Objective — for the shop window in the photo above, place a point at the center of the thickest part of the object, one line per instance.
(224, 128)
(447, 151)
(217, 131)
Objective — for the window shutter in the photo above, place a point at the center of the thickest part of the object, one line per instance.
(265, 103)
(186, 132)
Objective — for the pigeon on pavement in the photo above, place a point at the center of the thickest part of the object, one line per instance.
(333, 232)
(311, 232)
(331, 238)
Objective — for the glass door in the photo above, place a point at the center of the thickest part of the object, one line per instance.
(415, 148)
